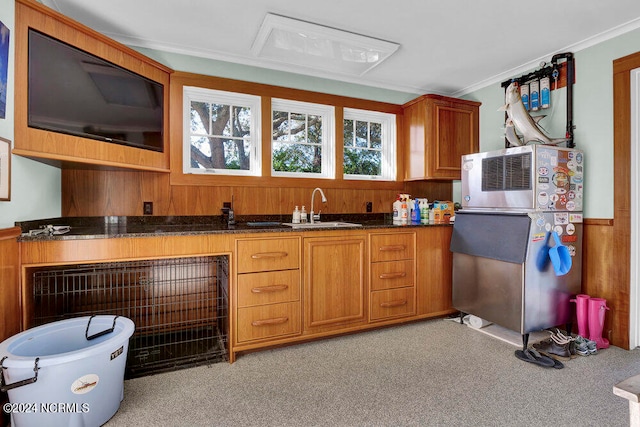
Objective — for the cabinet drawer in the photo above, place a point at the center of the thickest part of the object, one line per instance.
(392, 303)
(268, 254)
(392, 247)
(268, 287)
(392, 274)
(268, 321)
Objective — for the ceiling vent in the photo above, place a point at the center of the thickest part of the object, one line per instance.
(312, 46)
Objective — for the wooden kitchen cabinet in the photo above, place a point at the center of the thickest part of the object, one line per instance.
(334, 281)
(268, 288)
(434, 263)
(393, 290)
(10, 307)
(286, 287)
(438, 130)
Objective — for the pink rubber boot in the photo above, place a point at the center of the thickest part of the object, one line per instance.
(582, 314)
(597, 307)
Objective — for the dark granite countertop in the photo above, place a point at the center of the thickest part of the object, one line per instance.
(145, 226)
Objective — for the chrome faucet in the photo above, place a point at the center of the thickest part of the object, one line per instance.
(324, 200)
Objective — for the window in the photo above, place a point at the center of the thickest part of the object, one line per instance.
(222, 132)
(302, 142)
(369, 145)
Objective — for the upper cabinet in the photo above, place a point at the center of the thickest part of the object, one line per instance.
(84, 100)
(438, 130)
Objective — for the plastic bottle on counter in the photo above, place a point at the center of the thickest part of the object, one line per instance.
(432, 218)
(303, 215)
(296, 216)
(424, 211)
(404, 214)
(415, 212)
(397, 205)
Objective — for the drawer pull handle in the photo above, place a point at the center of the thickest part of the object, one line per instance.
(392, 248)
(397, 303)
(266, 322)
(393, 275)
(272, 288)
(269, 255)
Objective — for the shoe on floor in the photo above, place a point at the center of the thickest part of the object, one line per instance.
(580, 346)
(553, 349)
(530, 356)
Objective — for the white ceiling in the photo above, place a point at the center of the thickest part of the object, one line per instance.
(448, 46)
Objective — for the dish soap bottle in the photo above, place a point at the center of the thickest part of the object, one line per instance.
(296, 216)
(303, 215)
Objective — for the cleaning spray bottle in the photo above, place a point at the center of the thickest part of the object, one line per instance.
(404, 212)
(415, 212)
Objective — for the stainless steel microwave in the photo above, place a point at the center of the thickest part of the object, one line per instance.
(530, 177)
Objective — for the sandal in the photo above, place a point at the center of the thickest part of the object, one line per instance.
(529, 356)
(556, 363)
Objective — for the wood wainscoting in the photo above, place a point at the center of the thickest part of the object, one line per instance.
(10, 307)
(602, 276)
(104, 192)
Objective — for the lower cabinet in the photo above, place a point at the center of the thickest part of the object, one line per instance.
(334, 281)
(293, 288)
(393, 303)
(393, 275)
(268, 321)
(267, 289)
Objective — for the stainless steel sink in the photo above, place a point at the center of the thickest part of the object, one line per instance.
(328, 224)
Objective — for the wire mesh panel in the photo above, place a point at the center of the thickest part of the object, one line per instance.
(179, 306)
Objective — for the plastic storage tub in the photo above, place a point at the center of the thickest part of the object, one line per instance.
(66, 373)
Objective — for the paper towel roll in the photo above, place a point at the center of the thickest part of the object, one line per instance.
(477, 323)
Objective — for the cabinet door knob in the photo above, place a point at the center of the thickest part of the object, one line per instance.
(269, 255)
(397, 303)
(272, 288)
(392, 275)
(266, 322)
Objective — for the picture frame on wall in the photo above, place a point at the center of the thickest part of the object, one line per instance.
(5, 169)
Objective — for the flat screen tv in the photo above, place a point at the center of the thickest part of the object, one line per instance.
(74, 92)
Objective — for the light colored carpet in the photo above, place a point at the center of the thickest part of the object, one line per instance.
(432, 373)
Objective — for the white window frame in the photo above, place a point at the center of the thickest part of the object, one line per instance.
(213, 96)
(388, 170)
(327, 112)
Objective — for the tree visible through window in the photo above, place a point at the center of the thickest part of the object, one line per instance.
(222, 132)
(362, 148)
(369, 145)
(297, 142)
(301, 139)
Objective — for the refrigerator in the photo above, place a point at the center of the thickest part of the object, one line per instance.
(521, 207)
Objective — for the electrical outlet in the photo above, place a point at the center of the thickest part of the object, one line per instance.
(369, 206)
(147, 208)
